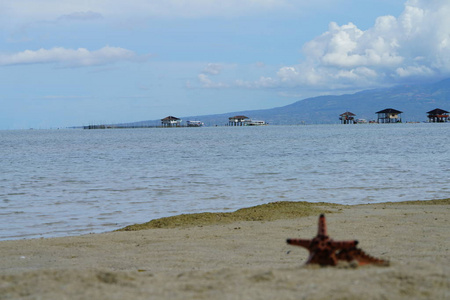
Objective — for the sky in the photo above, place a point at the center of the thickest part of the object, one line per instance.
(70, 63)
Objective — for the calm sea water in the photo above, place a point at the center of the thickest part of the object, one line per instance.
(71, 182)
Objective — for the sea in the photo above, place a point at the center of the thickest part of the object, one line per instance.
(68, 182)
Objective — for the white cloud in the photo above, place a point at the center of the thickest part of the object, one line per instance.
(263, 82)
(81, 16)
(212, 69)
(414, 71)
(70, 57)
(33, 10)
(206, 82)
(414, 46)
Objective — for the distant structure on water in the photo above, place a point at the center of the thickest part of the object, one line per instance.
(347, 118)
(244, 121)
(255, 123)
(237, 120)
(194, 123)
(389, 115)
(438, 116)
(171, 121)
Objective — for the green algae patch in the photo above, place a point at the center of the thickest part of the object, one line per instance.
(421, 202)
(265, 212)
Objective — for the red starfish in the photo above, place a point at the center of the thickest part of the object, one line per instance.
(322, 249)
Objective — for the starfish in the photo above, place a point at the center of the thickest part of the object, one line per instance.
(322, 249)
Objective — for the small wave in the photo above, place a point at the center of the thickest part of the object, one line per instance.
(54, 223)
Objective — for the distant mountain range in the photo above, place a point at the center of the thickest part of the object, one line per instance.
(413, 100)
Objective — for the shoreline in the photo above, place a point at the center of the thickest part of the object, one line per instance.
(241, 257)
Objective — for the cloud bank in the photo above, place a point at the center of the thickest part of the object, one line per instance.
(81, 16)
(80, 57)
(412, 47)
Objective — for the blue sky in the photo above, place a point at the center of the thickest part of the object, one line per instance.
(66, 63)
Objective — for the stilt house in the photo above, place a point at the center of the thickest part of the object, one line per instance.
(438, 116)
(389, 115)
(347, 118)
(170, 121)
(237, 120)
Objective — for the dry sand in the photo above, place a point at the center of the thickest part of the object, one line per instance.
(235, 259)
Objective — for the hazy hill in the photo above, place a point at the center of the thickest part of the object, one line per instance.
(413, 100)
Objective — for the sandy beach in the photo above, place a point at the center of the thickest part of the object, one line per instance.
(241, 256)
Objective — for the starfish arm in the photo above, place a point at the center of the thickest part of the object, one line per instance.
(322, 230)
(299, 242)
(361, 257)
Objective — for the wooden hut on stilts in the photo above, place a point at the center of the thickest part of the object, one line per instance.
(171, 121)
(237, 120)
(389, 115)
(347, 118)
(438, 116)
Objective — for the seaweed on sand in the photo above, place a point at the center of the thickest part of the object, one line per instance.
(265, 212)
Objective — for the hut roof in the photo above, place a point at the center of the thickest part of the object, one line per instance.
(170, 118)
(347, 113)
(238, 117)
(437, 111)
(389, 111)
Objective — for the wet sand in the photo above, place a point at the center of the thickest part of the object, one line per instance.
(240, 255)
